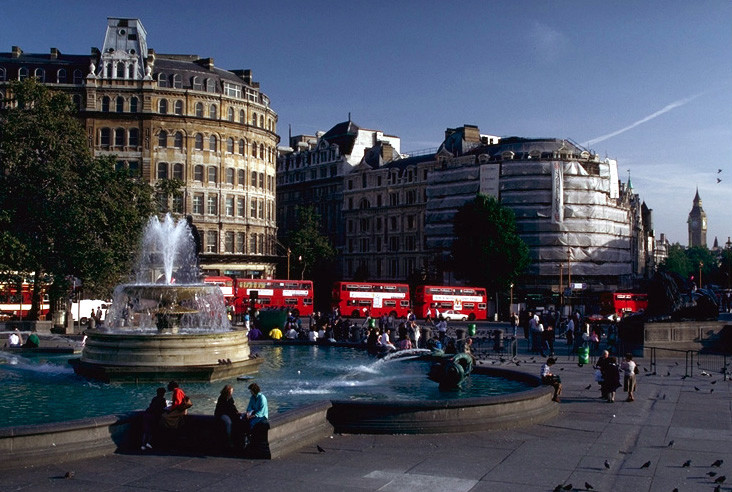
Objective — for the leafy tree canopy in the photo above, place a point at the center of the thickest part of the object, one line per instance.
(487, 250)
(308, 245)
(62, 211)
(688, 262)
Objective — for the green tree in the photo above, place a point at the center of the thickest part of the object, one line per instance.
(487, 250)
(689, 262)
(62, 211)
(676, 261)
(309, 246)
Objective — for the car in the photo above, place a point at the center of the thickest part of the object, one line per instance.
(452, 315)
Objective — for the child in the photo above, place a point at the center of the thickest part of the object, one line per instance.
(152, 416)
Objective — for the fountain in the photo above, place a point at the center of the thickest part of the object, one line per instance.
(166, 325)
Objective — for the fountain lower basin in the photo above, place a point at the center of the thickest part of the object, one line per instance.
(130, 357)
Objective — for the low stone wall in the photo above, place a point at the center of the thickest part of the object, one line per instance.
(683, 335)
(443, 416)
(43, 327)
(67, 441)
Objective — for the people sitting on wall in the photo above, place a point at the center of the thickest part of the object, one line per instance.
(174, 415)
(227, 413)
(255, 333)
(291, 333)
(32, 342)
(14, 339)
(151, 417)
(550, 379)
(275, 333)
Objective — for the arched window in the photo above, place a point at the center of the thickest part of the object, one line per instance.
(177, 81)
(261, 122)
(105, 104)
(212, 112)
(231, 114)
(364, 204)
(230, 145)
(230, 175)
(131, 71)
(39, 74)
(198, 173)
(253, 182)
(60, 76)
(108, 71)
(134, 137)
(199, 141)
(242, 116)
(104, 138)
(261, 151)
(196, 83)
(178, 107)
(133, 105)
(78, 76)
(119, 137)
(162, 80)
(242, 147)
(212, 143)
(3, 75)
(178, 171)
(120, 70)
(210, 85)
(163, 139)
(242, 177)
(162, 170)
(254, 119)
(254, 149)
(163, 106)
(120, 104)
(178, 140)
(199, 110)
(211, 174)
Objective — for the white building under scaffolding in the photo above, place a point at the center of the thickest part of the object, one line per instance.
(571, 209)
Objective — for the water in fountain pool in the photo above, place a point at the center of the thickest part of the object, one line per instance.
(45, 389)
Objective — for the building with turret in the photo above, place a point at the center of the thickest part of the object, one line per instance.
(697, 223)
(178, 117)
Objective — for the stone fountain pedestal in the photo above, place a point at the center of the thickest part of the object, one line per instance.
(130, 357)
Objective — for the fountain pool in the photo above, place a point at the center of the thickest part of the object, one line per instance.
(45, 389)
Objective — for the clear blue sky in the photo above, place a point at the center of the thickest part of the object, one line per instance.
(648, 83)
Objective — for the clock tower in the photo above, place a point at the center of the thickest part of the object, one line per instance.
(697, 223)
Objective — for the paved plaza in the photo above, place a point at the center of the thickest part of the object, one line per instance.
(636, 446)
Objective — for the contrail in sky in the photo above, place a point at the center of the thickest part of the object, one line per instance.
(658, 113)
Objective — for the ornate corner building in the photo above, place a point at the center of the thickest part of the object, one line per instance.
(177, 117)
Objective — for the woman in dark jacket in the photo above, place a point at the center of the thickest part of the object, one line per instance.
(610, 378)
(227, 413)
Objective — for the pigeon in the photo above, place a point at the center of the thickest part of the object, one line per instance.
(686, 464)
(320, 450)
(646, 464)
(717, 463)
(558, 488)
(670, 443)
(696, 389)
(719, 171)
(711, 474)
(714, 382)
(568, 487)
(719, 180)
(588, 486)
(711, 390)
(720, 479)
(645, 369)
(668, 373)
(69, 474)
(588, 386)
(607, 464)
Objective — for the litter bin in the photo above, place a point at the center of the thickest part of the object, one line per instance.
(471, 329)
(583, 355)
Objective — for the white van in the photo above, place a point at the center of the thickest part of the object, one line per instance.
(84, 308)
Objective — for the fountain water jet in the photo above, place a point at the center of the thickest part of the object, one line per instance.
(166, 325)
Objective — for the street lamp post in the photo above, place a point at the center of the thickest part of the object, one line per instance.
(701, 264)
(510, 302)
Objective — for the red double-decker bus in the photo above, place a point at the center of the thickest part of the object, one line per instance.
(295, 295)
(629, 302)
(361, 299)
(16, 303)
(226, 284)
(467, 300)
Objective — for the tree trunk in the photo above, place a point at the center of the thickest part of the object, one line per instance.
(35, 310)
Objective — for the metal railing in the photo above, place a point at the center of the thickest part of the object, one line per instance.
(695, 361)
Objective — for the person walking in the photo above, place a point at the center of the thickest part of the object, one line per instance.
(611, 378)
(630, 369)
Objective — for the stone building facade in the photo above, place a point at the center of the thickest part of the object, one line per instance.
(177, 117)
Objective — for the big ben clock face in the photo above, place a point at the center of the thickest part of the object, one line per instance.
(694, 223)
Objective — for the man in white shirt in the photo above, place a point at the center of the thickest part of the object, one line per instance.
(14, 340)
